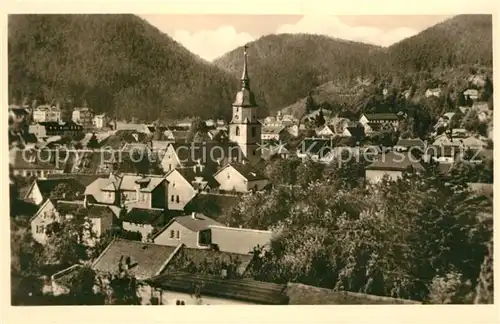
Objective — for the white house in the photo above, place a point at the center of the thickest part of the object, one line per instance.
(240, 177)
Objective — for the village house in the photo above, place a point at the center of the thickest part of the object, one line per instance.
(44, 130)
(274, 150)
(409, 144)
(100, 218)
(272, 133)
(67, 187)
(18, 114)
(171, 275)
(316, 149)
(47, 113)
(218, 135)
(471, 93)
(99, 121)
(187, 230)
(436, 92)
(83, 116)
(35, 163)
(326, 131)
(185, 183)
(144, 221)
(211, 155)
(470, 142)
(379, 121)
(294, 130)
(130, 190)
(464, 110)
(441, 154)
(240, 177)
(391, 164)
(483, 111)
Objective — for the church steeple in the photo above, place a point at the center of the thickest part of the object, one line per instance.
(245, 80)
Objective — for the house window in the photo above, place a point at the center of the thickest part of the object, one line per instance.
(180, 302)
(40, 229)
(172, 198)
(177, 199)
(254, 152)
(228, 176)
(178, 235)
(254, 131)
(237, 131)
(172, 234)
(173, 185)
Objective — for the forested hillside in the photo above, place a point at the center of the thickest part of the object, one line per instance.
(118, 64)
(283, 68)
(464, 39)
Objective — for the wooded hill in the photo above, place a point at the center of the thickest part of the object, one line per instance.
(121, 65)
(118, 64)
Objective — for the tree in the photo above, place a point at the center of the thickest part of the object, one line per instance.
(93, 143)
(320, 119)
(197, 125)
(310, 104)
(468, 101)
(81, 287)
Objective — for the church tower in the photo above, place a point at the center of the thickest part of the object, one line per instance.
(244, 128)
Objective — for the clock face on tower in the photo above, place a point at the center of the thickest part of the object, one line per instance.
(236, 117)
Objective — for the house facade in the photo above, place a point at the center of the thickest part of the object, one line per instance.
(143, 221)
(99, 121)
(379, 121)
(272, 133)
(186, 230)
(241, 178)
(83, 116)
(47, 113)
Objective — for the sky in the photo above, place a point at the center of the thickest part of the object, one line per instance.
(210, 36)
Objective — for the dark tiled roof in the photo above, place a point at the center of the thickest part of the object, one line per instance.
(201, 222)
(249, 172)
(83, 179)
(92, 211)
(190, 175)
(395, 161)
(408, 143)
(239, 240)
(238, 289)
(75, 187)
(37, 160)
(142, 216)
(208, 153)
(147, 259)
(300, 294)
(216, 203)
(196, 260)
(442, 151)
(381, 116)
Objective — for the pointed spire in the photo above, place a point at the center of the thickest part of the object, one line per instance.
(245, 80)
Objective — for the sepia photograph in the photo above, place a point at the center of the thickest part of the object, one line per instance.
(250, 159)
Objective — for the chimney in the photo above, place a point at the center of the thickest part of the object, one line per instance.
(193, 215)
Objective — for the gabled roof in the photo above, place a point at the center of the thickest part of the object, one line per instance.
(147, 260)
(74, 186)
(208, 153)
(189, 260)
(381, 116)
(442, 151)
(408, 143)
(300, 294)
(198, 223)
(272, 130)
(129, 183)
(35, 160)
(190, 174)
(246, 170)
(142, 216)
(395, 161)
(92, 211)
(239, 240)
(239, 289)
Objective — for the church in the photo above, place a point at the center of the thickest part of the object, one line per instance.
(244, 128)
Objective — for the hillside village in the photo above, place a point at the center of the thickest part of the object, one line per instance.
(235, 211)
